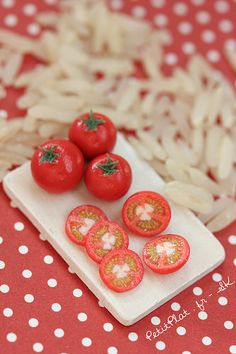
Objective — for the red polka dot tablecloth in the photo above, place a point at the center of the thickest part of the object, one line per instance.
(44, 307)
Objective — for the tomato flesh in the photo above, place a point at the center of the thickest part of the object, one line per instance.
(146, 213)
(166, 254)
(103, 237)
(93, 133)
(80, 220)
(121, 270)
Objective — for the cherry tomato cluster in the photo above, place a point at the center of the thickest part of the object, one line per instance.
(58, 165)
(145, 214)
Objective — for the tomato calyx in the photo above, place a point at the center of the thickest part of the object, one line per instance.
(49, 155)
(92, 122)
(108, 167)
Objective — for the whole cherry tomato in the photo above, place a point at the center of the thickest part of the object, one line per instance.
(108, 177)
(93, 133)
(57, 166)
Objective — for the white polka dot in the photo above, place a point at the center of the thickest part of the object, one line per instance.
(59, 333)
(171, 58)
(70, 270)
(77, 292)
(232, 239)
(139, 11)
(29, 298)
(198, 2)
(225, 26)
(4, 288)
(112, 350)
(48, 259)
(38, 347)
(52, 283)
(2, 264)
(181, 331)
(203, 17)
(116, 4)
(206, 340)
(228, 325)
(29, 9)
(50, 2)
(3, 114)
(11, 337)
(213, 55)
(7, 312)
(217, 277)
(56, 307)
(10, 20)
(180, 8)
(232, 349)
(197, 291)
(155, 320)
(185, 28)
(1, 240)
(158, 3)
(175, 306)
(234, 262)
(86, 342)
(33, 322)
(27, 273)
(33, 29)
(221, 6)
(8, 3)
(19, 226)
(202, 315)
(42, 238)
(208, 36)
(222, 301)
(108, 327)
(160, 20)
(186, 352)
(100, 304)
(160, 345)
(132, 336)
(82, 317)
(188, 48)
(23, 249)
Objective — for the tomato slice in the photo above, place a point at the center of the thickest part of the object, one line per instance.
(146, 213)
(166, 253)
(80, 220)
(121, 270)
(104, 237)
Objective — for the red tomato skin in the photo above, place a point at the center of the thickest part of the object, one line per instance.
(111, 187)
(93, 142)
(172, 268)
(64, 173)
(146, 233)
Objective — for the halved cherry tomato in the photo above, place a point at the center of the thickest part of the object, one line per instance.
(93, 133)
(166, 254)
(104, 237)
(121, 270)
(80, 220)
(146, 213)
(57, 165)
(108, 177)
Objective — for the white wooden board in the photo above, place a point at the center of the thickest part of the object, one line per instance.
(48, 213)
